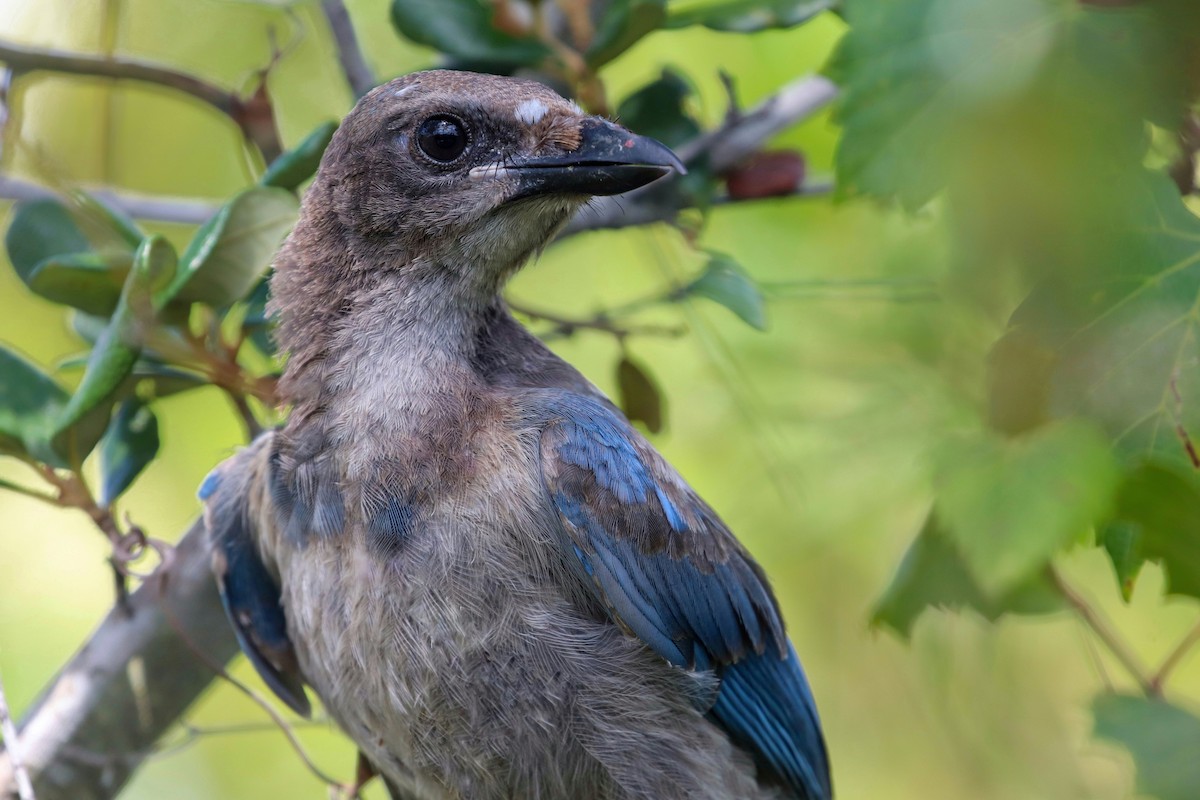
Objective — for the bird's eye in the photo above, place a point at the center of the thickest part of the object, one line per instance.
(442, 138)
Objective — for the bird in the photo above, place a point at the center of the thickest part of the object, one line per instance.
(493, 582)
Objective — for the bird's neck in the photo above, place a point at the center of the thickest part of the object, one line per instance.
(380, 355)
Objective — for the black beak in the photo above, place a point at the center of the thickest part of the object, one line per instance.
(609, 160)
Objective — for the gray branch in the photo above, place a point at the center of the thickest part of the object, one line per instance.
(350, 54)
(127, 685)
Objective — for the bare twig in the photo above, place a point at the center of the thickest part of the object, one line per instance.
(27, 59)
(12, 745)
(350, 54)
(161, 209)
(1104, 632)
(603, 321)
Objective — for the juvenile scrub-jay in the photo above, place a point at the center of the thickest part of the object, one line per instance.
(496, 586)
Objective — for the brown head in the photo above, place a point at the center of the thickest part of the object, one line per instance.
(437, 186)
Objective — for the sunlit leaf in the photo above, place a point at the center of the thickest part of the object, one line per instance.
(29, 402)
(300, 163)
(934, 574)
(623, 24)
(128, 446)
(465, 29)
(724, 281)
(233, 249)
(1010, 505)
(641, 399)
(1123, 543)
(1162, 738)
(748, 16)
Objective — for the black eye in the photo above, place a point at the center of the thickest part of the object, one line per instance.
(442, 138)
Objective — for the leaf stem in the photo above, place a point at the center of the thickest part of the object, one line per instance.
(1104, 632)
(1159, 679)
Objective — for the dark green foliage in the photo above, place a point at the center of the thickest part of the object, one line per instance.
(128, 446)
(1163, 738)
(641, 399)
(724, 281)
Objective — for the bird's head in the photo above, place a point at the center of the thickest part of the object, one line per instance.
(472, 171)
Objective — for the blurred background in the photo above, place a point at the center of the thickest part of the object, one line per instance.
(813, 438)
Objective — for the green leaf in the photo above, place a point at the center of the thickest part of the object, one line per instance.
(29, 401)
(933, 90)
(933, 574)
(748, 16)
(1123, 543)
(85, 417)
(1162, 738)
(623, 24)
(1158, 505)
(129, 444)
(464, 29)
(232, 250)
(658, 110)
(300, 163)
(113, 220)
(256, 323)
(90, 282)
(41, 229)
(724, 281)
(1010, 505)
(641, 399)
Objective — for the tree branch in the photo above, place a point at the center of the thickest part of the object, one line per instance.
(26, 59)
(739, 137)
(350, 54)
(127, 685)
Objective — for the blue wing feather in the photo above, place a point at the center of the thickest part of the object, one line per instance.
(671, 573)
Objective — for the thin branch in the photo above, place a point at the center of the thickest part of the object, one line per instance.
(350, 54)
(740, 136)
(12, 745)
(1104, 632)
(603, 321)
(28, 59)
(160, 209)
(1159, 680)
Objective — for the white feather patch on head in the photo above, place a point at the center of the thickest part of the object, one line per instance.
(406, 89)
(531, 111)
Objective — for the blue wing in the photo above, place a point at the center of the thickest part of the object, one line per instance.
(248, 590)
(673, 575)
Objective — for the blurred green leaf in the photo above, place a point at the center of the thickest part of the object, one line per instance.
(1119, 338)
(1010, 505)
(232, 250)
(623, 24)
(658, 110)
(748, 16)
(300, 163)
(931, 87)
(128, 446)
(90, 282)
(83, 421)
(464, 29)
(164, 379)
(29, 401)
(933, 574)
(255, 323)
(641, 399)
(724, 281)
(41, 229)
(1159, 506)
(1162, 738)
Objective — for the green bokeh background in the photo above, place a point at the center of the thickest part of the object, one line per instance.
(809, 439)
